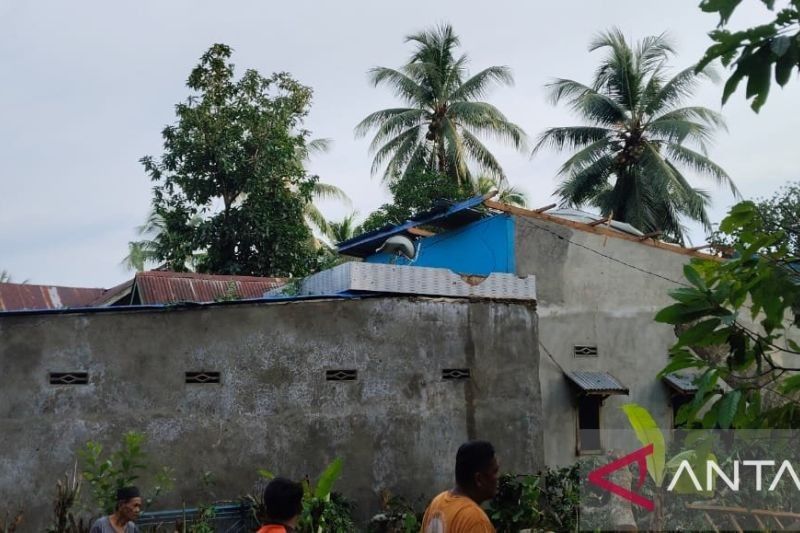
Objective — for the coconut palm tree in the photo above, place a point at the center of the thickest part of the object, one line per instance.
(505, 192)
(630, 156)
(345, 229)
(440, 126)
(321, 191)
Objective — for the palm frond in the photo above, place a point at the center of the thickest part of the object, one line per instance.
(700, 164)
(377, 118)
(478, 85)
(584, 185)
(482, 156)
(570, 137)
(403, 86)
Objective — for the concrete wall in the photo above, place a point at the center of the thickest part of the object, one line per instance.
(586, 298)
(397, 427)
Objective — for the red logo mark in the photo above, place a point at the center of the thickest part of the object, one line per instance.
(599, 477)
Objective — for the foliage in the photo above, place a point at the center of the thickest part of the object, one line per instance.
(440, 126)
(561, 498)
(120, 468)
(781, 212)
(548, 500)
(627, 160)
(344, 229)
(505, 193)
(737, 321)
(397, 516)
(752, 53)
(323, 509)
(516, 504)
(648, 432)
(67, 495)
(415, 192)
(232, 159)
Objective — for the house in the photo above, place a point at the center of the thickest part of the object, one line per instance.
(529, 328)
(599, 283)
(389, 380)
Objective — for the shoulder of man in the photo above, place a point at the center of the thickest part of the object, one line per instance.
(99, 525)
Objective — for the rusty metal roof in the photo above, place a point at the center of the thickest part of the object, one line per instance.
(19, 296)
(164, 287)
(596, 382)
(681, 382)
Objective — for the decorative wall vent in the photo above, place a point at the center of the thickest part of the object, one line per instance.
(202, 378)
(583, 350)
(69, 378)
(456, 373)
(341, 375)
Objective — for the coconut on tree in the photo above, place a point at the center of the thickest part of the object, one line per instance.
(629, 159)
(443, 118)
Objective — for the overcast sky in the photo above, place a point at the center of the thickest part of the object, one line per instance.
(89, 85)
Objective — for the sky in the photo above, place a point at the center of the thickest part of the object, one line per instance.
(90, 84)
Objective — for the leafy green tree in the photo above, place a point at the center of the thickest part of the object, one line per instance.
(413, 193)
(738, 322)
(752, 53)
(627, 160)
(231, 158)
(781, 212)
(439, 128)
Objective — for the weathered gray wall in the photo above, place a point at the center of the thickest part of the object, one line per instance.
(585, 298)
(396, 428)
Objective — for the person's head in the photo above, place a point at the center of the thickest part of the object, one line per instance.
(477, 469)
(129, 503)
(283, 500)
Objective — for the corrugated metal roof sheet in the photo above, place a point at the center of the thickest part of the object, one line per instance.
(163, 287)
(19, 296)
(446, 216)
(587, 218)
(682, 382)
(596, 382)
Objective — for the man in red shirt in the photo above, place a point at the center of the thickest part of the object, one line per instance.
(283, 500)
(458, 510)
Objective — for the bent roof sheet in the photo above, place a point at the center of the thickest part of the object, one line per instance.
(19, 296)
(446, 216)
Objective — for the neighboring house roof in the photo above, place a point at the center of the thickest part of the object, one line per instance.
(19, 296)
(163, 287)
(596, 382)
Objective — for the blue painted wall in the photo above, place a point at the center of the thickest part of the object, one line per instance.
(479, 248)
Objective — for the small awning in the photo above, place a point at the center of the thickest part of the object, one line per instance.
(681, 382)
(600, 383)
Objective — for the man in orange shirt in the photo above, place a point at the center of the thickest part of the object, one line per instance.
(458, 510)
(283, 500)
